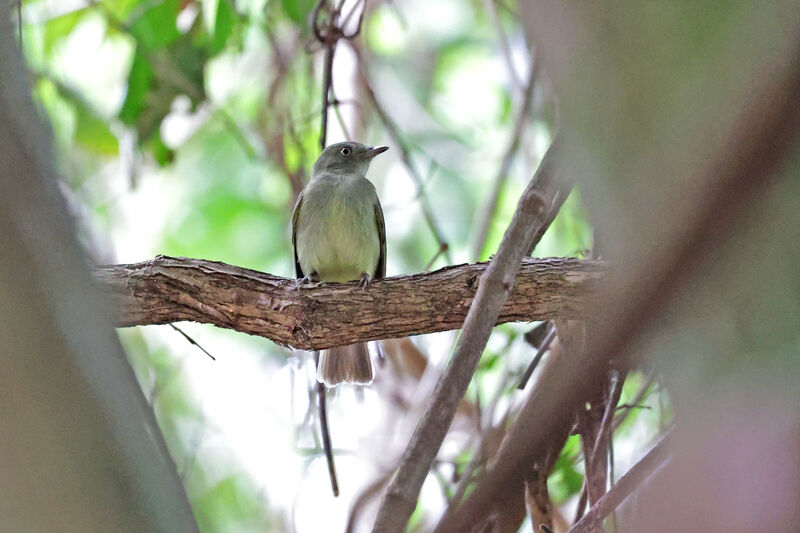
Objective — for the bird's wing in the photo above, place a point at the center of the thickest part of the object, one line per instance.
(381, 270)
(297, 269)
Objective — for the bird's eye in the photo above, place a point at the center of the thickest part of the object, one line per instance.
(345, 151)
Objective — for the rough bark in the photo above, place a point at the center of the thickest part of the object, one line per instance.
(317, 315)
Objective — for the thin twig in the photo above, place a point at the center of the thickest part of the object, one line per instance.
(442, 249)
(327, 81)
(505, 49)
(328, 36)
(479, 455)
(537, 358)
(632, 406)
(339, 118)
(192, 341)
(582, 499)
(635, 401)
(19, 23)
(369, 492)
(614, 390)
(324, 429)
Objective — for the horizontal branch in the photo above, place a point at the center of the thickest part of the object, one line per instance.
(322, 315)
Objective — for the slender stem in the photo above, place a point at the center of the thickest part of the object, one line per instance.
(327, 82)
(326, 435)
(537, 358)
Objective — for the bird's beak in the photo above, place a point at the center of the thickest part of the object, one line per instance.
(375, 150)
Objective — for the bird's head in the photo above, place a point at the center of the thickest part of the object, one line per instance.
(347, 158)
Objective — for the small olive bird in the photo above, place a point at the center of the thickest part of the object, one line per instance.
(338, 235)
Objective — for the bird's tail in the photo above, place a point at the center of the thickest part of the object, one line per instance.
(346, 364)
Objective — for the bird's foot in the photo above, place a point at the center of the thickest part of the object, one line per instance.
(309, 278)
(365, 281)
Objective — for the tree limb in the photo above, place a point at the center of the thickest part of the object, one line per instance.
(494, 291)
(323, 315)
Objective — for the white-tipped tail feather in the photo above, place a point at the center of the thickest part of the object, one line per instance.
(346, 364)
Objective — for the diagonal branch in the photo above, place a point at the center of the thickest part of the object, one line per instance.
(634, 478)
(323, 315)
(494, 289)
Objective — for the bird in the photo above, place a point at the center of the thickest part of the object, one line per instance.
(339, 235)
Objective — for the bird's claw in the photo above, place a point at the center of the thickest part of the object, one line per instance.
(308, 278)
(365, 281)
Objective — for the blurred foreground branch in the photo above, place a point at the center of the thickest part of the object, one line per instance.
(81, 449)
(322, 315)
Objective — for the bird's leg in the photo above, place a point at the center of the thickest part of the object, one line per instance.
(365, 281)
(308, 278)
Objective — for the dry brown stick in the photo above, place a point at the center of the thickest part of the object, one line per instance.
(594, 464)
(632, 479)
(493, 290)
(559, 192)
(319, 315)
(738, 175)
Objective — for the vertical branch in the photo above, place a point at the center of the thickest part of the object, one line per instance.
(81, 448)
(327, 82)
(326, 435)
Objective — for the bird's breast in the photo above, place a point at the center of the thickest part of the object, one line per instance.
(337, 234)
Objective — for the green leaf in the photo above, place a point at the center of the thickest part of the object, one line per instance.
(57, 28)
(91, 130)
(156, 27)
(189, 63)
(121, 9)
(233, 504)
(298, 10)
(93, 133)
(139, 81)
(161, 153)
(223, 26)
